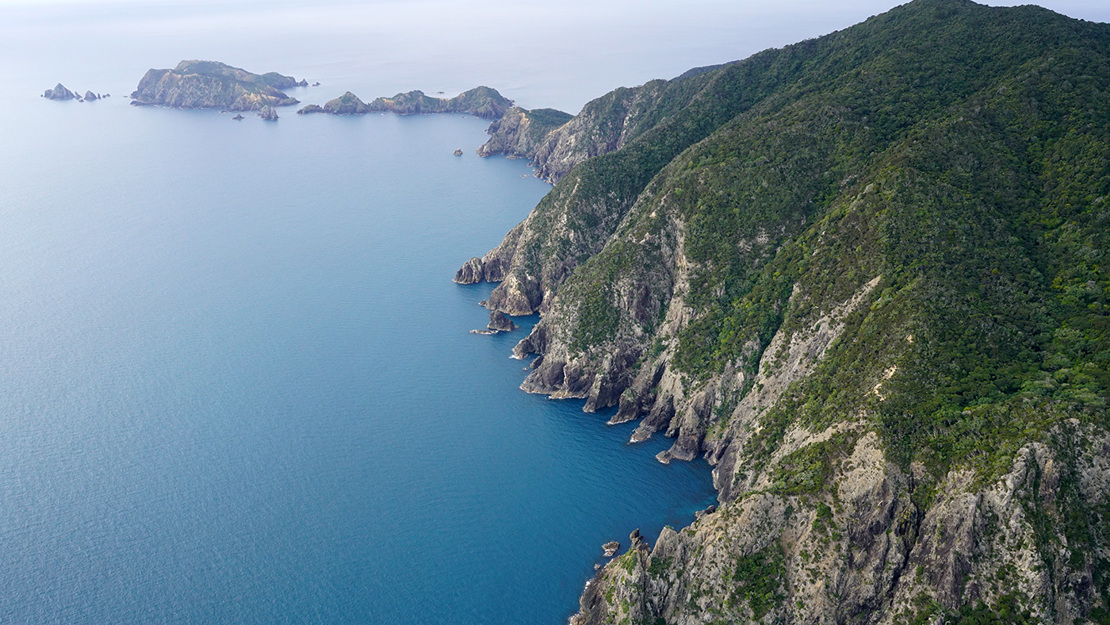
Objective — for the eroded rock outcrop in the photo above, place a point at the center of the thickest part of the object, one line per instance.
(499, 322)
(59, 92)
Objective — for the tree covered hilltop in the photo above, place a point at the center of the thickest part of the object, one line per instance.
(866, 276)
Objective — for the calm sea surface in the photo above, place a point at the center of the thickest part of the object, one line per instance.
(237, 383)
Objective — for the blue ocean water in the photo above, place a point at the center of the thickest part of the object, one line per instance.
(237, 384)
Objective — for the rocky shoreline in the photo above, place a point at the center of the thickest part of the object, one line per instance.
(720, 261)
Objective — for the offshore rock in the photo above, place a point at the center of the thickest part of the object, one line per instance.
(311, 108)
(211, 84)
(90, 96)
(499, 322)
(610, 548)
(59, 92)
(268, 113)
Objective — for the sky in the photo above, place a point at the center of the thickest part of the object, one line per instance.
(542, 54)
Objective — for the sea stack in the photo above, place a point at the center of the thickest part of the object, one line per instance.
(59, 92)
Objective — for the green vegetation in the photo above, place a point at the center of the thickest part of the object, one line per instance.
(959, 152)
(481, 102)
(807, 470)
(923, 201)
(758, 580)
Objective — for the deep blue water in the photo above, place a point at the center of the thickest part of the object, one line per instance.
(237, 383)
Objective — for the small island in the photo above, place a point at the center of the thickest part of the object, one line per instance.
(482, 102)
(213, 85)
(59, 92)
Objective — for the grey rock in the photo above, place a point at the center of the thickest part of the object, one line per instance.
(59, 92)
(499, 322)
(471, 272)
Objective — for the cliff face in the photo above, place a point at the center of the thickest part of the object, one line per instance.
(866, 276)
(520, 132)
(482, 102)
(210, 84)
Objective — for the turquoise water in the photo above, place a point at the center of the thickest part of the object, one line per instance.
(237, 383)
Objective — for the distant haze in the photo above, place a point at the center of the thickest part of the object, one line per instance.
(557, 54)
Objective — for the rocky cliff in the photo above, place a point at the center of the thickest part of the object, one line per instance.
(866, 276)
(210, 84)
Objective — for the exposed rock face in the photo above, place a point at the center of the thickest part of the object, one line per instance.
(210, 84)
(90, 96)
(346, 104)
(519, 133)
(268, 113)
(310, 109)
(815, 268)
(471, 273)
(481, 102)
(499, 322)
(59, 92)
(875, 555)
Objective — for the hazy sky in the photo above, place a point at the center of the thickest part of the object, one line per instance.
(547, 53)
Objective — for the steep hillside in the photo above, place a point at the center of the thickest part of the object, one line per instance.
(866, 276)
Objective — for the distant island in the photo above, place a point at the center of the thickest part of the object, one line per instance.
(213, 85)
(482, 102)
(346, 104)
(60, 92)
